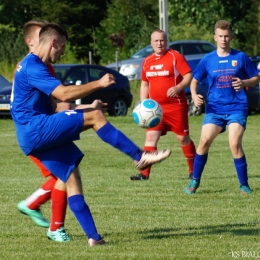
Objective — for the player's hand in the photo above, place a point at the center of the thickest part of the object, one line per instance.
(173, 91)
(98, 104)
(237, 84)
(107, 80)
(198, 100)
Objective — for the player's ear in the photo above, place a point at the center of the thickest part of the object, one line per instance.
(27, 41)
(53, 43)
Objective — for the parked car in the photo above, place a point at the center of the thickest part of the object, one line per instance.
(253, 94)
(118, 96)
(132, 67)
(5, 94)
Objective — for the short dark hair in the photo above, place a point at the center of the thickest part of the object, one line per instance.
(50, 30)
(223, 25)
(31, 25)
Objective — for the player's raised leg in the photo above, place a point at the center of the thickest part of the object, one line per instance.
(109, 134)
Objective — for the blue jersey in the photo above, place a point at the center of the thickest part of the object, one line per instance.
(30, 100)
(219, 71)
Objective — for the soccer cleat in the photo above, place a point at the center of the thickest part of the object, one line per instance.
(92, 242)
(192, 187)
(58, 235)
(35, 215)
(245, 189)
(190, 176)
(138, 177)
(149, 158)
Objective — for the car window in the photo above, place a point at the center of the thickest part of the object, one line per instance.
(143, 52)
(60, 72)
(177, 47)
(198, 48)
(4, 82)
(74, 75)
(257, 63)
(96, 73)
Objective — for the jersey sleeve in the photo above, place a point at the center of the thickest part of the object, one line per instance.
(250, 68)
(182, 65)
(200, 72)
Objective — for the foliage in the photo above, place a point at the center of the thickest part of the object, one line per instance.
(151, 219)
(133, 19)
(200, 16)
(91, 23)
(12, 47)
(79, 17)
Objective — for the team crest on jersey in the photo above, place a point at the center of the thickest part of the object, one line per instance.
(234, 63)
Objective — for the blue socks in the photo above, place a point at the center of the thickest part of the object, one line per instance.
(118, 140)
(199, 163)
(241, 168)
(82, 213)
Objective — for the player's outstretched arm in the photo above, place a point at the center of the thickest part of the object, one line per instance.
(73, 92)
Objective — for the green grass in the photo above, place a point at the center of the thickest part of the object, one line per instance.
(152, 219)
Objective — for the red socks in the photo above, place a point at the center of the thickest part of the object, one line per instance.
(58, 209)
(146, 172)
(189, 152)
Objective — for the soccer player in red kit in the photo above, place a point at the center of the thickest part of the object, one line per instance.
(165, 75)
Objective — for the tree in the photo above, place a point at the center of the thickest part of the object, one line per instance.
(133, 19)
(78, 17)
(200, 16)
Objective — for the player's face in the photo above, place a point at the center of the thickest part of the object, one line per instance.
(158, 43)
(58, 49)
(223, 38)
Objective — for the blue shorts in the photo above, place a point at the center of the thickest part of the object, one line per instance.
(224, 120)
(60, 160)
(56, 149)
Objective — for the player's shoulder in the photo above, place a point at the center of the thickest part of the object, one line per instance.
(210, 55)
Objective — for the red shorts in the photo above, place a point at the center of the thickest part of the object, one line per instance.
(42, 168)
(175, 119)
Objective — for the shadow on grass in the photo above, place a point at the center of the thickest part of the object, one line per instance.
(238, 229)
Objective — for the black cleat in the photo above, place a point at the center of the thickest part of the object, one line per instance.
(138, 177)
(190, 176)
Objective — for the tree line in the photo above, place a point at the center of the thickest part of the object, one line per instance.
(102, 27)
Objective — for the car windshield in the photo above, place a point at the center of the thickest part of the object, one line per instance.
(143, 52)
(4, 82)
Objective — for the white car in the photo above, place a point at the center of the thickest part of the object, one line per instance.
(132, 67)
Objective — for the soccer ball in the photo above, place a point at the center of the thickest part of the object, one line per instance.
(147, 113)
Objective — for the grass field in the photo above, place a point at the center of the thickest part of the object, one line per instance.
(152, 219)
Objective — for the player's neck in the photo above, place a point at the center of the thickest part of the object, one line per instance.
(43, 53)
(223, 52)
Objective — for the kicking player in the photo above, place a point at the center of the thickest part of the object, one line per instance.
(53, 188)
(228, 72)
(49, 136)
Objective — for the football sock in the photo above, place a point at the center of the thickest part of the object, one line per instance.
(199, 163)
(58, 209)
(241, 168)
(82, 213)
(40, 196)
(189, 152)
(117, 139)
(146, 172)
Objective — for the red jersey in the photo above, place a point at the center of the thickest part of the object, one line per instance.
(163, 72)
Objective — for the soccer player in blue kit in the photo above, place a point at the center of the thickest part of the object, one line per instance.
(49, 136)
(228, 71)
